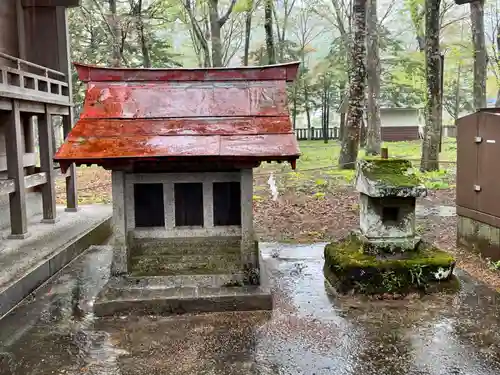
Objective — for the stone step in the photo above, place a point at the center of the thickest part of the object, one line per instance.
(162, 282)
(195, 258)
(185, 246)
(174, 301)
(185, 264)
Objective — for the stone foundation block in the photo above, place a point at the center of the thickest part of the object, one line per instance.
(349, 269)
(478, 237)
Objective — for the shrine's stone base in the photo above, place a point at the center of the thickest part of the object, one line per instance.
(173, 295)
(349, 269)
(185, 282)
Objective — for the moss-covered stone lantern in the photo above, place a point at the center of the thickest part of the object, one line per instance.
(388, 193)
(385, 254)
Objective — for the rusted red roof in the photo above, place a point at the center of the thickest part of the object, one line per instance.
(176, 113)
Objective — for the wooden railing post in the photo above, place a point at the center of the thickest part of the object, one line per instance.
(15, 171)
(45, 140)
(71, 186)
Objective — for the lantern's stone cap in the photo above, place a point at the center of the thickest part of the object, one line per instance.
(380, 178)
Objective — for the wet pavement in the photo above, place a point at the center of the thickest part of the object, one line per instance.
(438, 211)
(309, 332)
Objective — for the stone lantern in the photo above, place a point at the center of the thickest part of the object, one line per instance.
(388, 192)
(385, 254)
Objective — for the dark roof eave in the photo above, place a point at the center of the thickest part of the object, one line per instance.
(66, 163)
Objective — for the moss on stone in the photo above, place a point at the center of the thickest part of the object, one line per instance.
(176, 265)
(352, 269)
(350, 252)
(184, 246)
(390, 172)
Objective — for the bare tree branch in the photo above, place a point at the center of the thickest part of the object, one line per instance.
(387, 12)
(196, 28)
(101, 13)
(225, 17)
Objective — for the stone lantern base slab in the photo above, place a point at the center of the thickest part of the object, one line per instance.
(349, 269)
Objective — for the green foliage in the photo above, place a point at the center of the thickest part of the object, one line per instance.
(493, 265)
(321, 182)
(162, 29)
(319, 195)
(243, 6)
(434, 180)
(403, 79)
(416, 9)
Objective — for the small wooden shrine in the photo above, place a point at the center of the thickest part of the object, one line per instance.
(182, 145)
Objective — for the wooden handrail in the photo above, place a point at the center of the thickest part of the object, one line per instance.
(34, 76)
(20, 62)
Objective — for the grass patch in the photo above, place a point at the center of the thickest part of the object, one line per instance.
(318, 170)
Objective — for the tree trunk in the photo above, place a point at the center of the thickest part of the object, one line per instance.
(350, 141)
(328, 94)
(116, 56)
(146, 59)
(294, 110)
(433, 107)
(281, 35)
(248, 30)
(324, 111)
(456, 109)
(480, 57)
(373, 78)
(215, 35)
(362, 134)
(307, 108)
(456, 104)
(342, 127)
(198, 34)
(342, 112)
(268, 26)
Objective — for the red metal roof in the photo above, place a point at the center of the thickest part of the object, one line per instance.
(176, 113)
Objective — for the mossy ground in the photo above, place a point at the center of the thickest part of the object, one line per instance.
(348, 268)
